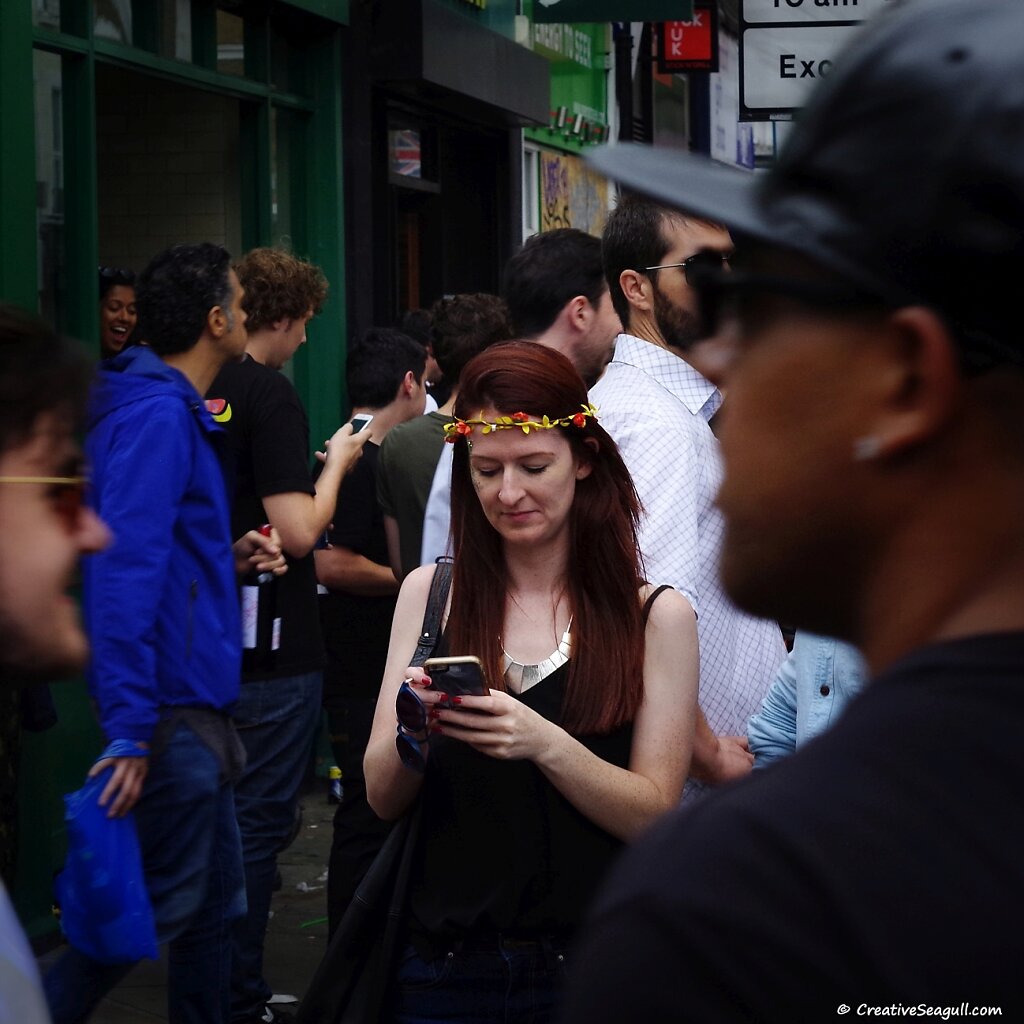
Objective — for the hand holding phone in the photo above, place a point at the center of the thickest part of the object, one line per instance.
(457, 677)
(362, 420)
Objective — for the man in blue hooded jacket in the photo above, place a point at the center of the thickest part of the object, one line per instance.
(162, 610)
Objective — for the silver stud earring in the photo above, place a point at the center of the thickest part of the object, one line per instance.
(866, 448)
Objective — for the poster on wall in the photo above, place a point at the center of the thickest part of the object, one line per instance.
(731, 141)
(571, 195)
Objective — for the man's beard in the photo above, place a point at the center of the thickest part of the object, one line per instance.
(678, 327)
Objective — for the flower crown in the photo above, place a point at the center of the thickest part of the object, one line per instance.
(463, 428)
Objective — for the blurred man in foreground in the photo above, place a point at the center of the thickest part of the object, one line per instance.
(873, 443)
(46, 528)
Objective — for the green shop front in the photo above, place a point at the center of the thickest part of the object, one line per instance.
(129, 125)
(559, 189)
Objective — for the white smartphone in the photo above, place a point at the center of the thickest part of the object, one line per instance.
(360, 421)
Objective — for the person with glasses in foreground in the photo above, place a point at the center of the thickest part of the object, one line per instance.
(873, 443)
(584, 735)
(657, 403)
(46, 529)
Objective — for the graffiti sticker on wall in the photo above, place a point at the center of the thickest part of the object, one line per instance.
(571, 195)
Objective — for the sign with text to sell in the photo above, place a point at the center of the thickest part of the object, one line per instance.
(782, 65)
(611, 10)
(809, 12)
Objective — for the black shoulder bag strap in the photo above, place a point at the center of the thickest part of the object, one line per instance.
(654, 596)
(436, 601)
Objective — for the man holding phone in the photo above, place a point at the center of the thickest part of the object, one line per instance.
(279, 708)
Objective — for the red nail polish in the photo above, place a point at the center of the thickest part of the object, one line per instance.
(434, 713)
(438, 728)
(442, 697)
(456, 700)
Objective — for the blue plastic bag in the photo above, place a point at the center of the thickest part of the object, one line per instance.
(105, 908)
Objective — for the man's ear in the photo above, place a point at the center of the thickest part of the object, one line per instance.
(578, 312)
(637, 289)
(407, 385)
(217, 321)
(284, 324)
(920, 384)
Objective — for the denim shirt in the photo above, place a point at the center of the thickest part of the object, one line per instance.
(814, 685)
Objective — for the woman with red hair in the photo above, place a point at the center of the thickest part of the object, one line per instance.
(585, 734)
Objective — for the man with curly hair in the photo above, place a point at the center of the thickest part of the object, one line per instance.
(279, 707)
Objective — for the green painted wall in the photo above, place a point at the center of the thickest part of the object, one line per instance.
(577, 57)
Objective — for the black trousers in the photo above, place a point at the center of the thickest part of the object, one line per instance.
(358, 832)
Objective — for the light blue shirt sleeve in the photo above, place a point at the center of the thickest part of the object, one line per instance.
(771, 733)
(812, 689)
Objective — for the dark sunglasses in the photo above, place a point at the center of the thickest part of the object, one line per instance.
(412, 719)
(117, 274)
(65, 493)
(737, 297)
(694, 266)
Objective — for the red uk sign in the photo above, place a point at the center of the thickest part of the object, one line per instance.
(690, 45)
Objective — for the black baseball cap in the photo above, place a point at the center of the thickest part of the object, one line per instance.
(904, 174)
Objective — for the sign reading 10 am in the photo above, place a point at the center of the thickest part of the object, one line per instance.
(806, 12)
(788, 46)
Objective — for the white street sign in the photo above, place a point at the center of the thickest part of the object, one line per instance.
(809, 12)
(782, 65)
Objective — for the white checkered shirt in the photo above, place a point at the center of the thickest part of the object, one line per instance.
(657, 407)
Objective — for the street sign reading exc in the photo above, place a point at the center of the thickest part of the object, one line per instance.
(788, 46)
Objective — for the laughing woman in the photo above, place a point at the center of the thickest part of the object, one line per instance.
(585, 735)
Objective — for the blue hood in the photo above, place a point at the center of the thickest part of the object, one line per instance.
(139, 373)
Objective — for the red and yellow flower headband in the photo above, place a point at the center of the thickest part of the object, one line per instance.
(463, 428)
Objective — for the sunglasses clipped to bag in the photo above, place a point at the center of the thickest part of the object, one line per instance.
(454, 677)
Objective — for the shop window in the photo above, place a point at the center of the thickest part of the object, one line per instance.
(49, 183)
(286, 144)
(167, 161)
(46, 13)
(163, 27)
(113, 20)
(531, 191)
(230, 43)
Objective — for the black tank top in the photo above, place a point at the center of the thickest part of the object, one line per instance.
(500, 849)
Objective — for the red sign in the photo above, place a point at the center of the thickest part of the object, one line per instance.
(690, 45)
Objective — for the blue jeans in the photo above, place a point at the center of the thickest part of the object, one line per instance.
(508, 986)
(277, 721)
(191, 857)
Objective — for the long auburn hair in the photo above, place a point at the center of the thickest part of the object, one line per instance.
(605, 683)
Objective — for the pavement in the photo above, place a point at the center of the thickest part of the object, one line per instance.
(296, 934)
